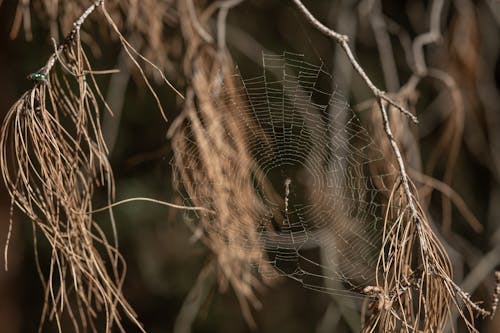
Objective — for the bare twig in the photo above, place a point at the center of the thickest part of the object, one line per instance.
(194, 300)
(318, 25)
(145, 199)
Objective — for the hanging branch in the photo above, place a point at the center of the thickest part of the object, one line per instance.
(380, 95)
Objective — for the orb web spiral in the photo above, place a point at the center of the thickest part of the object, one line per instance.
(313, 171)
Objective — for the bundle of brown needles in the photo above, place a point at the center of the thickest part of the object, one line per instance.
(53, 158)
(214, 167)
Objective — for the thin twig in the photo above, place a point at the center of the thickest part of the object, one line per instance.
(146, 199)
(399, 158)
(453, 195)
(325, 30)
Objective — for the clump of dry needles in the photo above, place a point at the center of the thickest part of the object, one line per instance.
(214, 165)
(53, 158)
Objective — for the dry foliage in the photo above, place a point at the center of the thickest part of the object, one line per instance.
(215, 165)
(53, 159)
(146, 22)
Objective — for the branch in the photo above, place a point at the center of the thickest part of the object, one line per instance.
(195, 299)
(380, 95)
(343, 41)
(70, 37)
(221, 21)
(432, 36)
(196, 24)
(384, 46)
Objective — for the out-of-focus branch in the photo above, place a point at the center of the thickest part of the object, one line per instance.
(340, 308)
(22, 17)
(451, 142)
(194, 300)
(453, 195)
(116, 96)
(373, 9)
(495, 9)
(380, 95)
(342, 71)
(432, 36)
(404, 38)
(196, 24)
(483, 269)
(487, 89)
(221, 21)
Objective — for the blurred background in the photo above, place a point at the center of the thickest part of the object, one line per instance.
(165, 265)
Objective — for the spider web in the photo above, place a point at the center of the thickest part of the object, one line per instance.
(313, 171)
